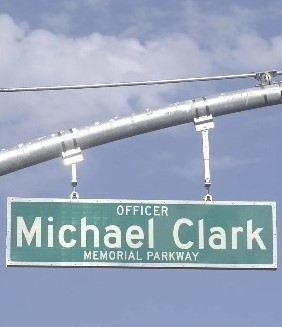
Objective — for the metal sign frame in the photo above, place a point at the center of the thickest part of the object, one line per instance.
(141, 265)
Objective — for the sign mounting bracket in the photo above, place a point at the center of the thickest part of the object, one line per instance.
(72, 157)
(203, 124)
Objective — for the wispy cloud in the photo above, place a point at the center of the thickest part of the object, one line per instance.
(57, 22)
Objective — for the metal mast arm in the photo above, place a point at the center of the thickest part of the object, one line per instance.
(50, 147)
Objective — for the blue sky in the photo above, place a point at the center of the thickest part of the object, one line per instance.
(95, 41)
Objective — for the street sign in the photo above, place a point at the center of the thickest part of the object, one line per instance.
(127, 233)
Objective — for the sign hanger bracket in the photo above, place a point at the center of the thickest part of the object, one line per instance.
(72, 157)
(203, 124)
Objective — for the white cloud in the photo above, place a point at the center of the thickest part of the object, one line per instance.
(39, 57)
(239, 38)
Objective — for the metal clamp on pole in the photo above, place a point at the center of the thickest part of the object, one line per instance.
(72, 157)
(266, 78)
(203, 124)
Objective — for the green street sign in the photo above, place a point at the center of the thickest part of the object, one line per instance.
(126, 233)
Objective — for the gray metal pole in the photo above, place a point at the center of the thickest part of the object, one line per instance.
(50, 147)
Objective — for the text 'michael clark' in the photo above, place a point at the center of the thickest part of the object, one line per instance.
(135, 236)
